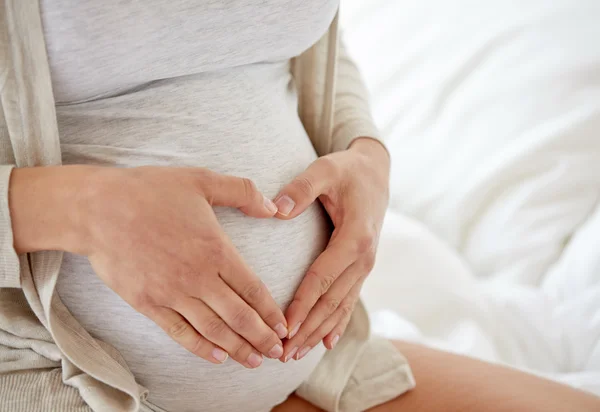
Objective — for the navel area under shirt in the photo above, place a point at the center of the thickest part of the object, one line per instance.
(190, 83)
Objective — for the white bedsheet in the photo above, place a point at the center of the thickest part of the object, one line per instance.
(422, 291)
(491, 110)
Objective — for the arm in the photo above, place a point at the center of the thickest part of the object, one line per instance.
(352, 117)
(351, 113)
(50, 221)
(127, 221)
(351, 181)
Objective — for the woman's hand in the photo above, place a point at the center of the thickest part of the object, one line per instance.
(353, 187)
(153, 238)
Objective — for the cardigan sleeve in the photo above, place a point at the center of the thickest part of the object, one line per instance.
(352, 113)
(10, 268)
(9, 260)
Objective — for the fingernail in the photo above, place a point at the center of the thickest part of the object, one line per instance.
(254, 360)
(285, 205)
(303, 352)
(219, 354)
(270, 205)
(276, 351)
(294, 331)
(334, 341)
(291, 354)
(280, 330)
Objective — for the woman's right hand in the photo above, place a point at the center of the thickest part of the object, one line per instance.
(151, 235)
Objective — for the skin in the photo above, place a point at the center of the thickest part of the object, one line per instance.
(126, 221)
(204, 295)
(119, 219)
(352, 185)
(454, 383)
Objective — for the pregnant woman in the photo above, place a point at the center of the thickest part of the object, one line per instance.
(194, 266)
(186, 204)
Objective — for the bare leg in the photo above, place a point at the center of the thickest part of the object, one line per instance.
(453, 383)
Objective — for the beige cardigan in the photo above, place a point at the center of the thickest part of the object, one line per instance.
(47, 360)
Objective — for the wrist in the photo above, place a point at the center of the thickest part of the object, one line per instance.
(45, 207)
(373, 149)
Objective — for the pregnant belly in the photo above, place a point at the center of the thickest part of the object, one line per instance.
(278, 251)
(263, 140)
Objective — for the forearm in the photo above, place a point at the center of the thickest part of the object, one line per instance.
(43, 204)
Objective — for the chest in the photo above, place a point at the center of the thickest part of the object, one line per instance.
(101, 48)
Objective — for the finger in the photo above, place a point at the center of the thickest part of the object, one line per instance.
(295, 197)
(214, 329)
(179, 329)
(336, 258)
(334, 336)
(243, 320)
(326, 306)
(344, 311)
(239, 277)
(238, 192)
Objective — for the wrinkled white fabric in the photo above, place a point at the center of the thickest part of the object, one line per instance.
(491, 111)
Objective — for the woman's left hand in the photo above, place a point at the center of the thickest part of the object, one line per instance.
(353, 187)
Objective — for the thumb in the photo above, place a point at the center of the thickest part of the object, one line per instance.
(238, 192)
(296, 196)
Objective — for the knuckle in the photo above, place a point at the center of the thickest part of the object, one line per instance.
(142, 301)
(253, 292)
(183, 277)
(178, 329)
(366, 242)
(346, 310)
(204, 175)
(204, 181)
(239, 351)
(272, 317)
(242, 319)
(198, 346)
(331, 305)
(249, 188)
(302, 337)
(369, 261)
(344, 323)
(324, 281)
(266, 341)
(214, 328)
(218, 253)
(304, 186)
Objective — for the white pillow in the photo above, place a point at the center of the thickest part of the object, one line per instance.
(492, 113)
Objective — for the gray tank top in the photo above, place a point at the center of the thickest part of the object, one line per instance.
(190, 83)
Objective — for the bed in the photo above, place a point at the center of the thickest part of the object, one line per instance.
(491, 110)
